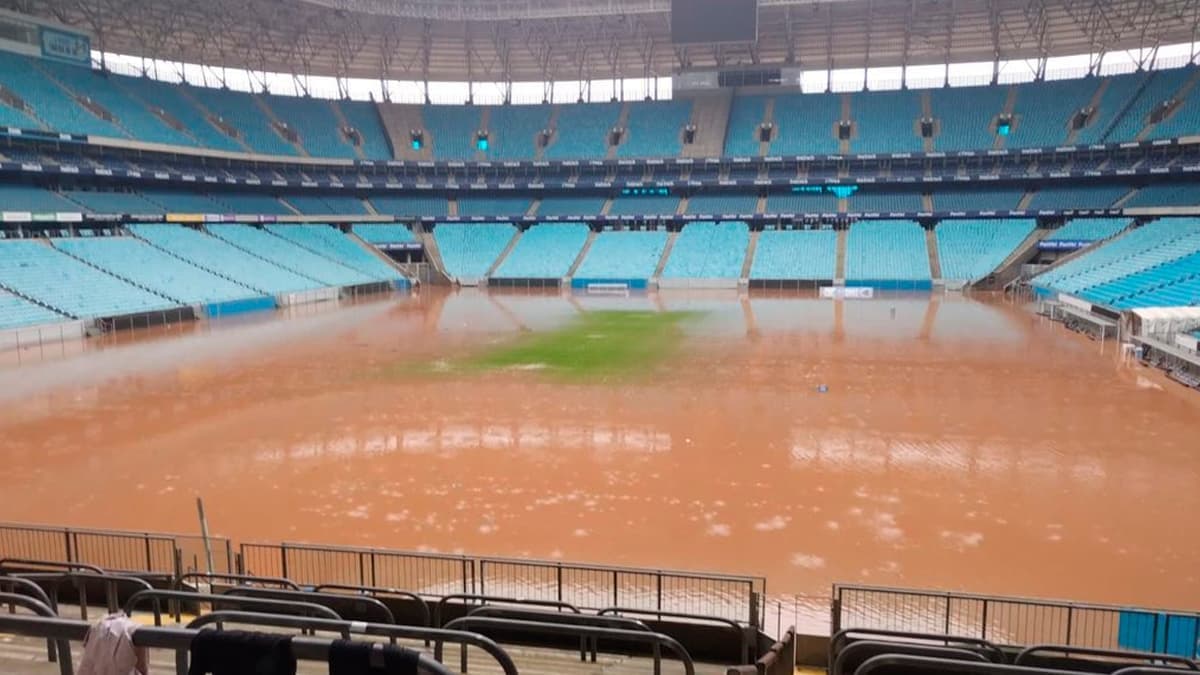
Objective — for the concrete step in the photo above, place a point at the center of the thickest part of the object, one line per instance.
(840, 267)
(662, 262)
(503, 254)
(935, 262)
(749, 261)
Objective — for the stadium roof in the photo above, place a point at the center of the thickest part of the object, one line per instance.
(542, 40)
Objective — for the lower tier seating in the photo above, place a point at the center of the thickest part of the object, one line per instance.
(623, 254)
(469, 250)
(795, 254)
(544, 251)
(708, 251)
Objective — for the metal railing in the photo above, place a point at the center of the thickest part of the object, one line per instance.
(56, 650)
(1006, 620)
(177, 598)
(149, 552)
(427, 573)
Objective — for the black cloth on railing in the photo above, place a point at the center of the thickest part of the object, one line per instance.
(236, 652)
(366, 658)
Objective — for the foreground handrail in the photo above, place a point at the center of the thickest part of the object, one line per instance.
(379, 590)
(656, 640)
(314, 597)
(1029, 653)
(879, 648)
(836, 640)
(52, 564)
(58, 650)
(497, 599)
(740, 628)
(178, 583)
(156, 595)
(176, 639)
(626, 623)
(390, 631)
(18, 584)
(110, 580)
(925, 664)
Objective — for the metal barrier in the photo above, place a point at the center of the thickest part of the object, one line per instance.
(838, 641)
(596, 586)
(1029, 656)
(745, 634)
(656, 640)
(80, 579)
(857, 653)
(308, 565)
(438, 612)
(924, 665)
(23, 564)
(56, 650)
(370, 604)
(16, 585)
(1002, 620)
(392, 632)
(240, 579)
(155, 596)
(176, 639)
(586, 645)
(107, 549)
(420, 602)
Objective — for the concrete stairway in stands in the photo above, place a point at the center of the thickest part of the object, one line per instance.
(1010, 269)
(748, 262)
(666, 254)
(710, 115)
(399, 120)
(587, 246)
(503, 254)
(839, 269)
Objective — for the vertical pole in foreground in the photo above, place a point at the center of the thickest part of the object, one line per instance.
(204, 534)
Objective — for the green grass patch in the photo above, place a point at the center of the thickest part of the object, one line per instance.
(597, 346)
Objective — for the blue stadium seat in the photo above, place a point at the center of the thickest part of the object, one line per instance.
(581, 131)
(570, 205)
(469, 249)
(623, 254)
(410, 206)
(496, 206)
(719, 203)
(705, 250)
(886, 121)
(886, 251)
(52, 104)
(286, 255)
(513, 130)
(965, 116)
(174, 101)
(636, 206)
(795, 254)
(544, 251)
(329, 242)
(655, 129)
(241, 111)
(806, 124)
(382, 234)
(315, 122)
(741, 133)
(970, 250)
(1077, 196)
(452, 129)
(1043, 111)
(1162, 85)
(1089, 229)
(16, 312)
(982, 198)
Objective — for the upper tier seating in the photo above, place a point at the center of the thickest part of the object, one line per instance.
(11, 117)
(220, 257)
(173, 100)
(1120, 90)
(623, 254)
(14, 197)
(470, 249)
(71, 287)
(722, 202)
(634, 206)
(51, 104)
(384, 234)
(1099, 274)
(250, 202)
(493, 206)
(410, 206)
(513, 130)
(1043, 111)
(570, 205)
(130, 114)
(884, 200)
(741, 133)
(655, 128)
(581, 131)
(1166, 194)
(140, 263)
(332, 243)
(886, 121)
(112, 202)
(886, 250)
(972, 249)
(544, 251)
(981, 198)
(364, 116)
(706, 250)
(806, 124)
(16, 312)
(290, 256)
(1162, 86)
(453, 129)
(1077, 196)
(965, 115)
(795, 254)
(241, 111)
(1089, 229)
(315, 122)
(330, 204)
(802, 202)
(1184, 120)
(184, 201)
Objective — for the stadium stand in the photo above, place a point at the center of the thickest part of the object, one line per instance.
(1123, 272)
(50, 103)
(15, 197)
(706, 250)
(1077, 196)
(469, 250)
(581, 131)
(802, 202)
(544, 251)
(241, 111)
(1043, 111)
(289, 256)
(795, 254)
(1184, 120)
(965, 116)
(570, 205)
(139, 263)
(363, 116)
(248, 202)
(971, 249)
(1119, 92)
(173, 101)
(513, 130)
(56, 280)
(16, 311)
(741, 134)
(497, 206)
(886, 252)
(384, 234)
(331, 243)
(410, 206)
(315, 122)
(112, 202)
(982, 198)
(329, 204)
(1161, 86)
(876, 200)
(453, 129)
(635, 206)
(722, 202)
(804, 124)
(223, 259)
(885, 121)
(1089, 229)
(623, 254)
(654, 129)
(183, 201)
(1166, 194)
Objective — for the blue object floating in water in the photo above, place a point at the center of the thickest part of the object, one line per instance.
(823, 389)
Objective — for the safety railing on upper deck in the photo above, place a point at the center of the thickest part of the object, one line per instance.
(1015, 620)
(153, 552)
